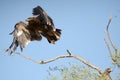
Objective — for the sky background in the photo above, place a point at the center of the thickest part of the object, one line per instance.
(83, 24)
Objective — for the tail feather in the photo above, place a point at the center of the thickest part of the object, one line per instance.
(58, 32)
(53, 36)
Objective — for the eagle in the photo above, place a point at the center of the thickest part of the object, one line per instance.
(38, 26)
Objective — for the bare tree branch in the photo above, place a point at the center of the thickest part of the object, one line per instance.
(85, 62)
(26, 57)
(69, 55)
(107, 32)
(114, 57)
(110, 52)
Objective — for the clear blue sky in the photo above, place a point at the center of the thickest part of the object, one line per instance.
(83, 24)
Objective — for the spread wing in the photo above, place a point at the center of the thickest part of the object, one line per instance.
(43, 24)
(43, 17)
(21, 37)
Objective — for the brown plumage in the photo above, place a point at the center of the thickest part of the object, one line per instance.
(39, 25)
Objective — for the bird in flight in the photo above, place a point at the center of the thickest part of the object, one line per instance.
(38, 26)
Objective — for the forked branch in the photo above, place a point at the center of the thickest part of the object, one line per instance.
(114, 58)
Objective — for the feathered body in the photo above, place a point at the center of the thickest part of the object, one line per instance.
(39, 25)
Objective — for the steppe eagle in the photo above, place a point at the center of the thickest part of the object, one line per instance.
(37, 26)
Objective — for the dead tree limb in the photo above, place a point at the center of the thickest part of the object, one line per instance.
(69, 55)
(110, 52)
(115, 57)
(108, 35)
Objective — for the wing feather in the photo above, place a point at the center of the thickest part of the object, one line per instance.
(43, 17)
(21, 37)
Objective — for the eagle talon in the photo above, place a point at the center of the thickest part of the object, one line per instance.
(10, 51)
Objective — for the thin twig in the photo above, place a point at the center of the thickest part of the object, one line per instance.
(110, 52)
(107, 32)
(109, 23)
(26, 57)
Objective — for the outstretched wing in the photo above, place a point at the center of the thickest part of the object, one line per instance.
(43, 17)
(21, 37)
(43, 25)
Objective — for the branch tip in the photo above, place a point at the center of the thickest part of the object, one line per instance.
(69, 52)
(108, 23)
